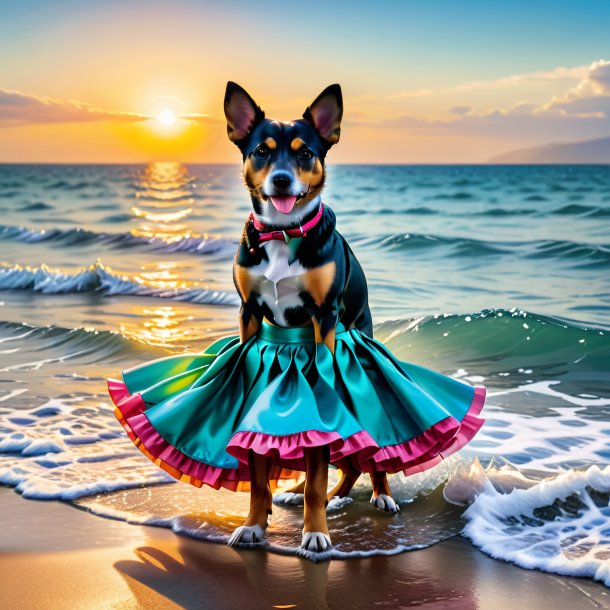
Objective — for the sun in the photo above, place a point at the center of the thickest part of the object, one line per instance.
(166, 117)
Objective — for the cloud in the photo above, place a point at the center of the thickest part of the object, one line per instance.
(556, 74)
(522, 121)
(460, 110)
(583, 111)
(600, 74)
(17, 109)
(591, 96)
(507, 124)
(195, 117)
(586, 106)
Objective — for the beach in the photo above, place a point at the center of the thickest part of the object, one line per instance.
(382, 257)
(56, 556)
(495, 276)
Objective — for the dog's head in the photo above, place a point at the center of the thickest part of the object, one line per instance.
(283, 160)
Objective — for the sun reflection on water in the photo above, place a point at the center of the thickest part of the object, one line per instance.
(165, 194)
(166, 198)
(160, 277)
(164, 191)
(162, 327)
(164, 217)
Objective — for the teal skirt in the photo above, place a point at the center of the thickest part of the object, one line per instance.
(198, 415)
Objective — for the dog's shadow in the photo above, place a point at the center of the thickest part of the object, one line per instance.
(191, 575)
(195, 575)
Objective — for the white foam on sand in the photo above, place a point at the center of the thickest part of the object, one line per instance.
(72, 447)
(68, 448)
(560, 433)
(560, 524)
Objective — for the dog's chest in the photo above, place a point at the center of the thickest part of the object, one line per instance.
(278, 282)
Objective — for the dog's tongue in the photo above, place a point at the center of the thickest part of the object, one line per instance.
(283, 204)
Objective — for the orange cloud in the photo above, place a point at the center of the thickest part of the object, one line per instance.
(195, 117)
(17, 109)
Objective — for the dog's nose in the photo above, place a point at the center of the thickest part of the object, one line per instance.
(281, 181)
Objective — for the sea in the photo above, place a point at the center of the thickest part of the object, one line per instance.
(496, 275)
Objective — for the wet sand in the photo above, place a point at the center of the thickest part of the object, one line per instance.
(55, 556)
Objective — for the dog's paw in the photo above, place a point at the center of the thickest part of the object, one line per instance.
(288, 498)
(336, 503)
(385, 503)
(315, 542)
(247, 536)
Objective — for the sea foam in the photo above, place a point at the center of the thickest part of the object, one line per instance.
(560, 524)
(99, 278)
(67, 448)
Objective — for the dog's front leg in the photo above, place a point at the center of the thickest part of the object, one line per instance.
(321, 295)
(252, 532)
(249, 321)
(327, 338)
(250, 312)
(315, 527)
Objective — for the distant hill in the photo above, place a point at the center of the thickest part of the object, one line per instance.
(591, 151)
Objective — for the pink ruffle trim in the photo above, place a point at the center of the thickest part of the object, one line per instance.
(359, 450)
(129, 412)
(289, 450)
(469, 426)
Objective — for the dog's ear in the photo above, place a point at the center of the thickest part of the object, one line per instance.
(241, 111)
(325, 114)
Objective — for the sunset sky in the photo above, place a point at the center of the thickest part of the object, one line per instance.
(423, 82)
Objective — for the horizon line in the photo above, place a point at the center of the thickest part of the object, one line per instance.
(232, 164)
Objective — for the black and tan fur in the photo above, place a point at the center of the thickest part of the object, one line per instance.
(310, 281)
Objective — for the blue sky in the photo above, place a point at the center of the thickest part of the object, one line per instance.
(404, 65)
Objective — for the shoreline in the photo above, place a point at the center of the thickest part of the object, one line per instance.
(54, 555)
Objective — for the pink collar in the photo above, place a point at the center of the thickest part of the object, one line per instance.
(300, 231)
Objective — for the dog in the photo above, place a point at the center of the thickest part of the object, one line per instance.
(319, 283)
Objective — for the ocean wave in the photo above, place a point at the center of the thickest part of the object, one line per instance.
(519, 349)
(104, 343)
(35, 207)
(118, 218)
(514, 346)
(536, 198)
(457, 196)
(192, 242)
(507, 212)
(576, 209)
(590, 211)
(420, 210)
(560, 524)
(583, 255)
(66, 185)
(98, 278)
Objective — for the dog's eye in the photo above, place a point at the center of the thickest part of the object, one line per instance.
(305, 155)
(261, 152)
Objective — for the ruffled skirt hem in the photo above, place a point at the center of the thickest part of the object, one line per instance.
(358, 450)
